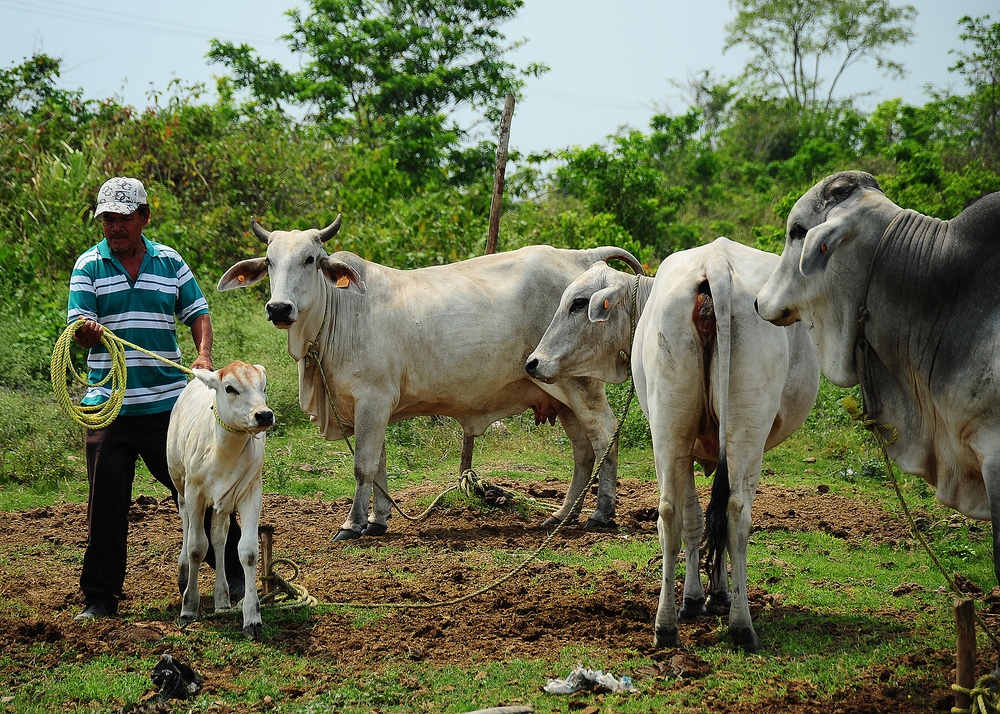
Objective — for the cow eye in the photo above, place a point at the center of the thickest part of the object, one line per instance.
(578, 304)
(310, 260)
(230, 389)
(798, 232)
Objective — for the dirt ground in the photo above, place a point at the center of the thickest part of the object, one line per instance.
(535, 614)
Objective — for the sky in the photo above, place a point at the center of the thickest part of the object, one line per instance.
(612, 63)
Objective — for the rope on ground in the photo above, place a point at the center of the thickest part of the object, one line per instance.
(872, 426)
(474, 487)
(984, 698)
(285, 592)
(96, 416)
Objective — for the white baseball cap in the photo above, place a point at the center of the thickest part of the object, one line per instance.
(120, 195)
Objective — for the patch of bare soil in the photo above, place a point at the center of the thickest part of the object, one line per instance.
(542, 609)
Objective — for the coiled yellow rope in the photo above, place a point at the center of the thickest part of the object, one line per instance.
(95, 416)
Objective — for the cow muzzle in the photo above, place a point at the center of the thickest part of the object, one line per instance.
(280, 314)
(783, 317)
(535, 369)
(264, 418)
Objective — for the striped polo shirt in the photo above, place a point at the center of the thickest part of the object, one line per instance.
(142, 313)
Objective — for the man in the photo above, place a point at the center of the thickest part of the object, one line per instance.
(136, 288)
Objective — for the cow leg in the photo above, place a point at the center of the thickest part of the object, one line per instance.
(990, 466)
(369, 427)
(600, 424)
(744, 475)
(183, 572)
(249, 548)
(590, 425)
(220, 531)
(583, 467)
(669, 528)
(381, 506)
(693, 602)
(194, 549)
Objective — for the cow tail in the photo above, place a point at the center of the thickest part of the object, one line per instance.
(717, 518)
(720, 285)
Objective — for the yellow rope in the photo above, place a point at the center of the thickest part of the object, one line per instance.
(983, 697)
(95, 416)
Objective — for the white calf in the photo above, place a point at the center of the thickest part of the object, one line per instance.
(215, 452)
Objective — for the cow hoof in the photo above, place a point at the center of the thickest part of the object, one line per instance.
(665, 638)
(374, 529)
(347, 534)
(186, 620)
(254, 630)
(720, 602)
(552, 521)
(692, 608)
(593, 524)
(745, 638)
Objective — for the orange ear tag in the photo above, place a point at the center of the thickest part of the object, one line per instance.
(241, 278)
(343, 282)
(607, 304)
(822, 248)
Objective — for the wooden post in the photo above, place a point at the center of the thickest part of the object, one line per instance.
(965, 649)
(266, 546)
(498, 176)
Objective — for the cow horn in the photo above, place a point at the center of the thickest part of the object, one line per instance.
(626, 257)
(258, 231)
(330, 231)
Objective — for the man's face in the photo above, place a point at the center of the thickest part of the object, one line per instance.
(124, 232)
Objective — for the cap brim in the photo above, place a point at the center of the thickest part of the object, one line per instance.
(116, 207)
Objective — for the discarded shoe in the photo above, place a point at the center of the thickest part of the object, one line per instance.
(96, 610)
(174, 679)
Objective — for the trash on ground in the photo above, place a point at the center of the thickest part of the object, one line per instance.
(174, 679)
(584, 678)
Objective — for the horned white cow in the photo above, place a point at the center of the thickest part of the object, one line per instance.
(718, 385)
(446, 340)
(905, 305)
(215, 452)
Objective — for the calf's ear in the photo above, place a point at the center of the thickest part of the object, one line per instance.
(210, 378)
(603, 302)
(244, 273)
(342, 275)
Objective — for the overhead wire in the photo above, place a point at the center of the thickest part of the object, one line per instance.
(114, 19)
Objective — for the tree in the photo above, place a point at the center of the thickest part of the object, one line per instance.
(981, 69)
(392, 72)
(790, 40)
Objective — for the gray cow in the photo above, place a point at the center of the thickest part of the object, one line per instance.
(447, 340)
(905, 305)
(719, 386)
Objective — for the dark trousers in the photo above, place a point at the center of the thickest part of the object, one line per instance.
(112, 454)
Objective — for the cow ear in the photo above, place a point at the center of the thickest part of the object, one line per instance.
(244, 273)
(602, 303)
(819, 244)
(210, 378)
(342, 275)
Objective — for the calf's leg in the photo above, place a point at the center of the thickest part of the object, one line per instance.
(193, 550)
(249, 549)
(220, 530)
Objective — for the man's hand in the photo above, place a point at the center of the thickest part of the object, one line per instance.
(88, 334)
(201, 331)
